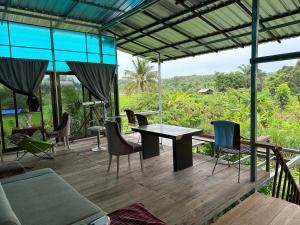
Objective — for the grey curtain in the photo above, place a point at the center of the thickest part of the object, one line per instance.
(97, 78)
(24, 76)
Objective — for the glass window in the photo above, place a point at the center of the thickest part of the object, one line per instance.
(61, 66)
(108, 45)
(31, 53)
(29, 36)
(4, 33)
(72, 56)
(95, 58)
(93, 43)
(69, 40)
(109, 59)
(4, 51)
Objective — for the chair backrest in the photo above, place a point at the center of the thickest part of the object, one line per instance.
(130, 116)
(64, 127)
(284, 185)
(142, 119)
(117, 145)
(227, 134)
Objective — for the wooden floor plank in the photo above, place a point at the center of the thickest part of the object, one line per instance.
(189, 196)
(262, 210)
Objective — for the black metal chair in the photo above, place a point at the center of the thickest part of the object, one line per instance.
(142, 120)
(228, 140)
(118, 146)
(131, 117)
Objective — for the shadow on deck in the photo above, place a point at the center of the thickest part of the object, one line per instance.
(190, 196)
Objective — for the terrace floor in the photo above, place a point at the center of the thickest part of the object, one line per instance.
(190, 196)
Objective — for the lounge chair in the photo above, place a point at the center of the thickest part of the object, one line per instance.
(39, 149)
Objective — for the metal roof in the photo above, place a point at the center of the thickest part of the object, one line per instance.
(80, 15)
(194, 27)
(173, 28)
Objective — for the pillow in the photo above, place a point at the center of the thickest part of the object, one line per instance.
(7, 215)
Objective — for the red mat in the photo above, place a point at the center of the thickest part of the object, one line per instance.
(135, 214)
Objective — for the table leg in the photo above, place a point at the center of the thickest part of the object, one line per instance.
(98, 148)
(150, 145)
(182, 153)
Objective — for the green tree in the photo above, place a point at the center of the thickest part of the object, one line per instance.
(142, 78)
(283, 95)
(234, 80)
(261, 75)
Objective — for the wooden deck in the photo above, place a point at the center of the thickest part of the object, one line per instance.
(190, 196)
(262, 210)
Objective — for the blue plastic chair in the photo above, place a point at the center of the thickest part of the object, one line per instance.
(227, 140)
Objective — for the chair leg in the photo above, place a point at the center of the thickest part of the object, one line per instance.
(239, 167)
(118, 157)
(109, 162)
(65, 142)
(218, 155)
(24, 153)
(139, 139)
(141, 159)
(68, 143)
(129, 164)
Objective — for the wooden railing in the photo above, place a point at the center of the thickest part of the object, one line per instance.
(284, 185)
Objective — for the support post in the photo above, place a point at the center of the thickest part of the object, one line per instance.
(159, 89)
(253, 114)
(53, 83)
(16, 109)
(116, 91)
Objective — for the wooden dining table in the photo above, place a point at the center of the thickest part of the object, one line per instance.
(182, 142)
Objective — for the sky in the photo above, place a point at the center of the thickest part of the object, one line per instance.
(225, 61)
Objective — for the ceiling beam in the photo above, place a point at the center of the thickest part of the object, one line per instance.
(246, 10)
(244, 34)
(145, 4)
(139, 44)
(229, 47)
(207, 21)
(175, 22)
(242, 26)
(157, 39)
(177, 30)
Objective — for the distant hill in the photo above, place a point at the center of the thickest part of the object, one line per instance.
(183, 83)
(188, 83)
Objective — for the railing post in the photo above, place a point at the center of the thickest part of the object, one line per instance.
(267, 160)
(253, 119)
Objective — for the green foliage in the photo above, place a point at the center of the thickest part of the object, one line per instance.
(282, 95)
(234, 80)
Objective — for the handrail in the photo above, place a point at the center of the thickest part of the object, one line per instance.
(258, 144)
(286, 188)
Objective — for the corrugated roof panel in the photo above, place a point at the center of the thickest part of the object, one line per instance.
(56, 7)
(91, 13)
(170, 34)
(140, 20)
(199, 27)
(150, 42)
